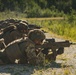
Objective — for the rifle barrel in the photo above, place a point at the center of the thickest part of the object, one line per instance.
(73, 43)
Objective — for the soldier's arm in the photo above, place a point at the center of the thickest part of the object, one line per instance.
(32, 57)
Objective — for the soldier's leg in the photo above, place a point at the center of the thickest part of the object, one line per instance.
(1, 62)
(4, 58)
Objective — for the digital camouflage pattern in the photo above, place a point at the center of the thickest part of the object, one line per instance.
(31, 54)
(24, 51)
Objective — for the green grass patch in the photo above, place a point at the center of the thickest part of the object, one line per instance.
(62, 28)
(65, 27)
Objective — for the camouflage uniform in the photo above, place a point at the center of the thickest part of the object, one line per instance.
(24, 51)
(8, 22)
(13, 34)
(34, 58)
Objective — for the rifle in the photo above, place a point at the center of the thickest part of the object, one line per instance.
(50, 43)
(57, 48)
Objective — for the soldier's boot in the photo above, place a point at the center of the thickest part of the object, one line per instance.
(60, 51)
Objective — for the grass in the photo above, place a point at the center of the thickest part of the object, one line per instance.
(54, 24)
(59, 26)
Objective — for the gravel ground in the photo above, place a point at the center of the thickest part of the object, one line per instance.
(65, 64)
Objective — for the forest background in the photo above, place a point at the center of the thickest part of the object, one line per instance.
(26, 9)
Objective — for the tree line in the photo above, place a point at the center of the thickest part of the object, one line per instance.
(39, 8)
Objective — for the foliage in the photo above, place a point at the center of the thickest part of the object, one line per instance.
(43, 8)
(39, 8)
(7, 14)
(65, 27)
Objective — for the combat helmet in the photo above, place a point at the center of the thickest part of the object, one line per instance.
(9, 28)
(36, 34)
(22, 26)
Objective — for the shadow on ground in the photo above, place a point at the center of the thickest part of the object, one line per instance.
(21, 69)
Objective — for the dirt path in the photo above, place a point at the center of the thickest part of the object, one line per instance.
(65, 65)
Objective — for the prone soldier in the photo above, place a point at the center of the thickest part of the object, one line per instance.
(7, 22)
(13, 32)
(32, 50)
(24, 50)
